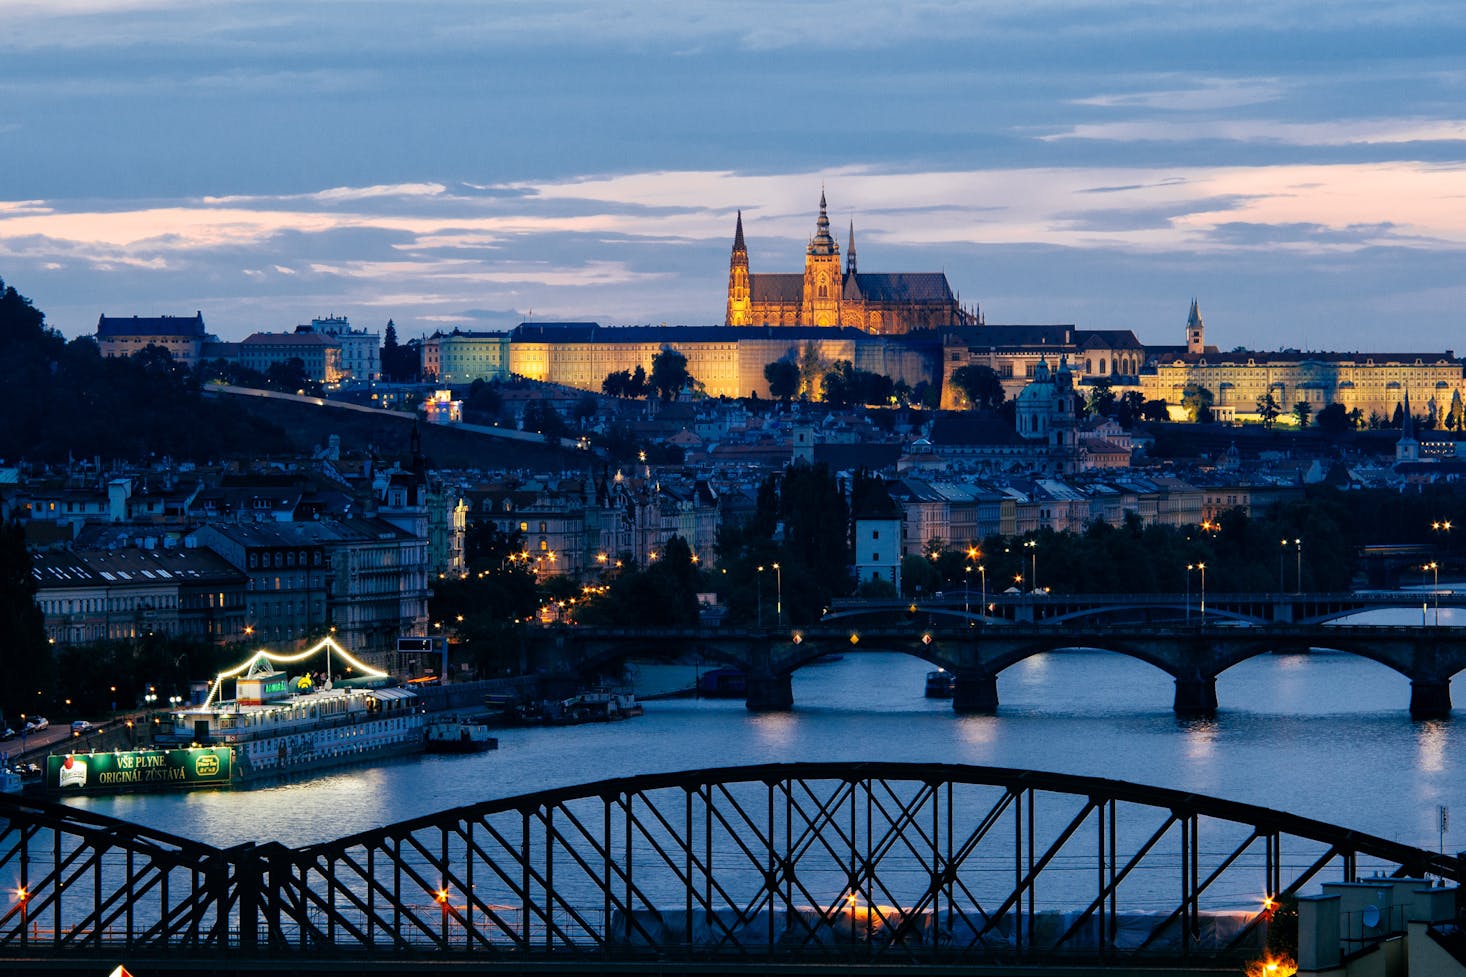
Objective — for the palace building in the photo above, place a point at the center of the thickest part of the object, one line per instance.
(826, 295)
(1375, 384)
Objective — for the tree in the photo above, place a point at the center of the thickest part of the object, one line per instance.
(1130, 408)
(391, 352)
(812, 370)
(979, 385)
(25, 654)
(1197, 401)
(585, 410)
(541, 416)
(1102, 397)
(1333, 419)
(669, 374)
(783, 378)
(1268, 409)
(1302, 411)
(1155, 410)
(1456, 415)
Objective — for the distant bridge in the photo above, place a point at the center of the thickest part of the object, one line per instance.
(894, 868)
(977, 652)
(1253, 608)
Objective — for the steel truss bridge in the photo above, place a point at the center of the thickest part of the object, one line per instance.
(879, 866)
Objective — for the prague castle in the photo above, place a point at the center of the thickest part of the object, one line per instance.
(825, 295)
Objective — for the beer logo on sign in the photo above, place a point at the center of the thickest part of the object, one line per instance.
(206, 765)
(73, 773)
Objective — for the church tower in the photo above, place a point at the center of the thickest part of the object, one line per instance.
(740, 298)
(850, 253)
(1195, 331)
(823, 282)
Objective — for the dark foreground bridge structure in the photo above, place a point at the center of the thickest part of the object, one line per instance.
(976, 651)
(884, 867)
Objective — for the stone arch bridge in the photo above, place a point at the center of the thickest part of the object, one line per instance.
(977, 653)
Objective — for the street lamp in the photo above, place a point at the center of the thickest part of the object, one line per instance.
(1032, 546)
(1297, 545)
(1202, 568)
(1435, 588)
(779, 601)
(760, 598)
(984, 572)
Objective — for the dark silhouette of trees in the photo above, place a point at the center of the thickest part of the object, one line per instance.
(669, 374)
(979, 385)
(25, 654)
(626, 383)
(783, 378)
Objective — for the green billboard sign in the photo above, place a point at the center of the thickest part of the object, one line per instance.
(211, 766)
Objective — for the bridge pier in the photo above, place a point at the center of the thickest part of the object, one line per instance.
(1430, 699)
(770, 693)
(1196, 696)
(975, 693)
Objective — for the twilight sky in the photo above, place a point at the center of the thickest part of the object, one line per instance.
(1299, 167)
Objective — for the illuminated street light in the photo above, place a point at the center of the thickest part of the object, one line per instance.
(779, 602)
(1435, 588)
(1032, 547)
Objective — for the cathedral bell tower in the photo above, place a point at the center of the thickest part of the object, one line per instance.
(823, 282)
(1195, 331)
(740, 298)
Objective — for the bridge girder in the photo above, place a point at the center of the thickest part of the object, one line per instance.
(848, 863)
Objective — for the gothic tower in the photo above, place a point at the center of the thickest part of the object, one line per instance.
(1195, 331)
(740, 298)
(850, 254)
(823, 282)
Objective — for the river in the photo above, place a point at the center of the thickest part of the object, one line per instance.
(1323, 735)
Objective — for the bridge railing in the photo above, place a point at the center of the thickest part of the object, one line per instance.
(864, 862)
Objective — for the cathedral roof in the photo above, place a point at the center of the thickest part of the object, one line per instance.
(921, 286)
(777, 287)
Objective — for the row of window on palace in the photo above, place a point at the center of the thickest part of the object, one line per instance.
(284, 558)
(103, 605)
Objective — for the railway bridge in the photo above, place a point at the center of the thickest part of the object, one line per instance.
(977, 651)
(890, 868)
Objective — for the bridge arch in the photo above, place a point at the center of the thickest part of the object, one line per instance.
(881, 864)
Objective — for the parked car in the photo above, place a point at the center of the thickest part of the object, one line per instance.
(37, 724)
(8, 733)
(82, 726)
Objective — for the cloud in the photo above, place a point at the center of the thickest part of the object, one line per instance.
(1343, 132)
(1209, 95)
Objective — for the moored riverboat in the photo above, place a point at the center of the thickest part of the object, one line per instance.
(451, 734)
(274, 725)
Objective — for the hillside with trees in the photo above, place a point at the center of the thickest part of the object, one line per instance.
(65, 399)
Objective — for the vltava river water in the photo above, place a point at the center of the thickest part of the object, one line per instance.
(1324, 735)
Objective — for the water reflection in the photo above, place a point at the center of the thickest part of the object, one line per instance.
(1431, 739)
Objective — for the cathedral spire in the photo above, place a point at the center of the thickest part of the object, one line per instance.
(738, 244)
(823, 243)
(850, 251)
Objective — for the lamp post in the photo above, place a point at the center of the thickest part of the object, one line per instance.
(1299, 544)
(1032, 546)
(1435, 588)
(1188, 592)
(760, 598)
(983, 571)
(778, 596)
(1202, 568)
(967, 590)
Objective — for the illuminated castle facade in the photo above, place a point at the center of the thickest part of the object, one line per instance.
(826, 295)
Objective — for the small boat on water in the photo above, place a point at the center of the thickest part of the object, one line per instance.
(722, 683)
(940, 684)
(451, 734)
(598, 706)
